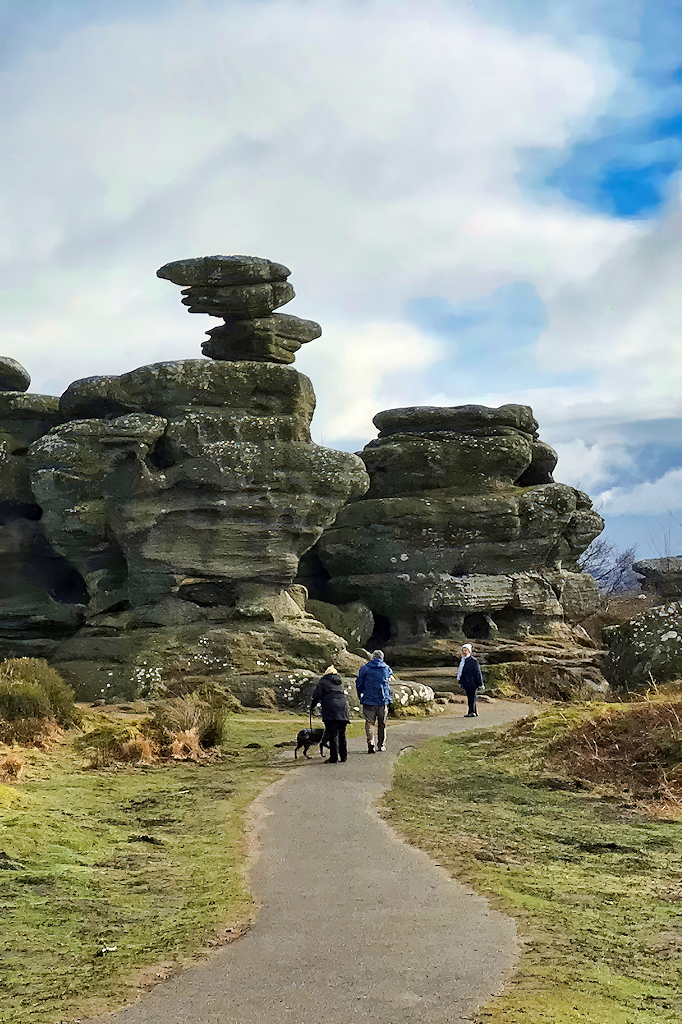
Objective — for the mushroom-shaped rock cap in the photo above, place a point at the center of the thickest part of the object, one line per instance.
(13, 377)
(457, 419)
(223, 271)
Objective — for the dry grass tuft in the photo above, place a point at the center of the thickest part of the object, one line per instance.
(637, 747)
(11, 768)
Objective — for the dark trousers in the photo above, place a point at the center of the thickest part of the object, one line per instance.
(336, 734)
(471, 697)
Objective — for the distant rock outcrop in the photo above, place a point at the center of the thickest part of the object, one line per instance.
(647, 649)
(662, 576)
(462, 533)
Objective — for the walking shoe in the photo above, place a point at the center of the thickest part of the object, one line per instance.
(382, 747)
(469, 714)
(370, 748)
(329, 761)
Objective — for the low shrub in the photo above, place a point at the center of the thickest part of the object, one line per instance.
(116, 741)
(34, 701)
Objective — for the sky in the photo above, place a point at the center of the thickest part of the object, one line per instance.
(479, 200)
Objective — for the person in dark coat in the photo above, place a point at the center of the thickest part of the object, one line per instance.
(329, 694)
(470, 678)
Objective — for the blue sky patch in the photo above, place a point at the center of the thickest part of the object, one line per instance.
(491, 338)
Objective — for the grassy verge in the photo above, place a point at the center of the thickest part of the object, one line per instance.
(121, 868)
(593, 878)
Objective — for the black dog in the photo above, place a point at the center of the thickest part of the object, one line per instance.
(307, 737)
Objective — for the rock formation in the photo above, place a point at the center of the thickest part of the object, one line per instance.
(645, 649)
(462, 533)
(40, 592)
(183, 494)
(662, 576)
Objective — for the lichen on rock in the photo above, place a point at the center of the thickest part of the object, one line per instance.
(451, 538)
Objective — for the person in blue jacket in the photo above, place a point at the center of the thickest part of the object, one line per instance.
(375, 696)
(470, 678)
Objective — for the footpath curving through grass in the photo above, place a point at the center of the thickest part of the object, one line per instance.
(104, 872)
(593, 878)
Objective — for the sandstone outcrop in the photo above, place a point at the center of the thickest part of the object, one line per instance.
(662, 576)
(40, 590)
(244, 291)
(463, 531)
(184, 493)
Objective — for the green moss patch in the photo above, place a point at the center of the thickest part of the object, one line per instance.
(109, 871)
(594, 879)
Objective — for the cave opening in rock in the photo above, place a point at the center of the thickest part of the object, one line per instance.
(513, 622)
(381, 634)
(477, 626)
(27, 557)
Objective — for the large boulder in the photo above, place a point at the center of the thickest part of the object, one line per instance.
(196, 474)
(646, 649)
(194, 480)
(463, 531)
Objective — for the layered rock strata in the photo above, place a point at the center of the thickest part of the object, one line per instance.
(184, 493)
(40, 591)
(244, 291)
(463, 531)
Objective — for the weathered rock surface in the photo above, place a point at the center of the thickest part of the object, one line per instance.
(244, 291)
(40, 592)
(354, 621)
(550, 668)
(275, 338)
(201, 478)
(648, 647)
(122, 654)
(13, 376)
(452, 539)
(182, 495)
(662, 576)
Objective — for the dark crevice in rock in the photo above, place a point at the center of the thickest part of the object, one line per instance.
(161, 455)
(382, 632)
(478, 626)
(208, 593)
(10, 511)
(45, 567)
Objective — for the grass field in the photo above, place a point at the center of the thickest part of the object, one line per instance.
(593, 878)
(122, 868)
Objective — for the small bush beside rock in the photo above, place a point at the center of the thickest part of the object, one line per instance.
(34, 701)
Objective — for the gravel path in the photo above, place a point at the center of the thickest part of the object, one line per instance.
(354, 925)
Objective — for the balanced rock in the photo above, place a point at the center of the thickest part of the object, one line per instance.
(452, 539)
(244, 291)
(13, 376)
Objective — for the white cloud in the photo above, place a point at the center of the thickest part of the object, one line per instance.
(652, 498)
(373, 148)
(349, 369)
